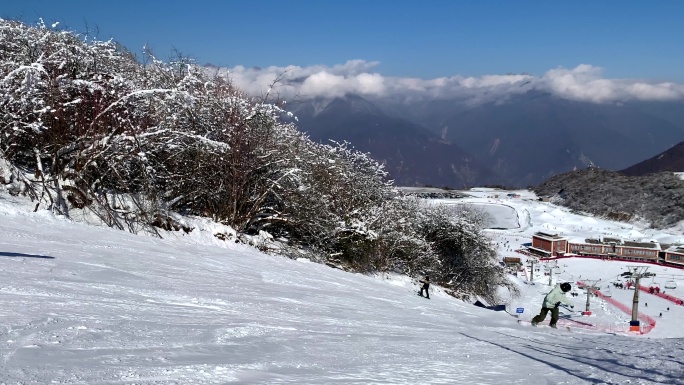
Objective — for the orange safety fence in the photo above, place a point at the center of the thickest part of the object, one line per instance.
(605, 258)
(668, 297)
(646, 324)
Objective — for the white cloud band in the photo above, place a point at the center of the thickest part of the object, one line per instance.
(583, 83)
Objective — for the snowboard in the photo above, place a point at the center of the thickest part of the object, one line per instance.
(420, 295)
(544, 325)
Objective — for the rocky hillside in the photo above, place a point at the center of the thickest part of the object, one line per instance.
(656, 198)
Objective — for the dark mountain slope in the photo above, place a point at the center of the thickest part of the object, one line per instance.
(672, 111)
(670, 160)
(413, 155)
(535, 136)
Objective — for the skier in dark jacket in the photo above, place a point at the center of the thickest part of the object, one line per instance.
(426, 286)
(551, 302)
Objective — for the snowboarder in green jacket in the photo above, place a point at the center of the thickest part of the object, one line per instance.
(551, 302)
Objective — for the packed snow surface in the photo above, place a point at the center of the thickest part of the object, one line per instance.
(91, 305)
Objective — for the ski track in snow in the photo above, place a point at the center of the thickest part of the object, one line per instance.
(86, 305)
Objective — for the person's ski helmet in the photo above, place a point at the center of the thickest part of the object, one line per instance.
(566, 287)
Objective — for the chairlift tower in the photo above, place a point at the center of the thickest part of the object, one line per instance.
(590, 285)
(636, 273)
(531, 262)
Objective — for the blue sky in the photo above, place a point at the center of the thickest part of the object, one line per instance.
(423, 39)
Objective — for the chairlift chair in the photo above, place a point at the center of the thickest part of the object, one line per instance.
(670, 285)
(608, 293)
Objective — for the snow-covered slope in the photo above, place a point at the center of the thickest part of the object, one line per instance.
(89, 305)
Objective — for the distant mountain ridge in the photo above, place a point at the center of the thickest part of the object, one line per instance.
(534, 136)
(413, 155)
(517, 142)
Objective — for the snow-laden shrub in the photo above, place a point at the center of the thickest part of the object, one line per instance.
(468, 260)
(85, 126)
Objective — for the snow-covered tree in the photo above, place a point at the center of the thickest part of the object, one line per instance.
(468, 258)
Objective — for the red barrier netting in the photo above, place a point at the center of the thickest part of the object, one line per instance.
(646, 322)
